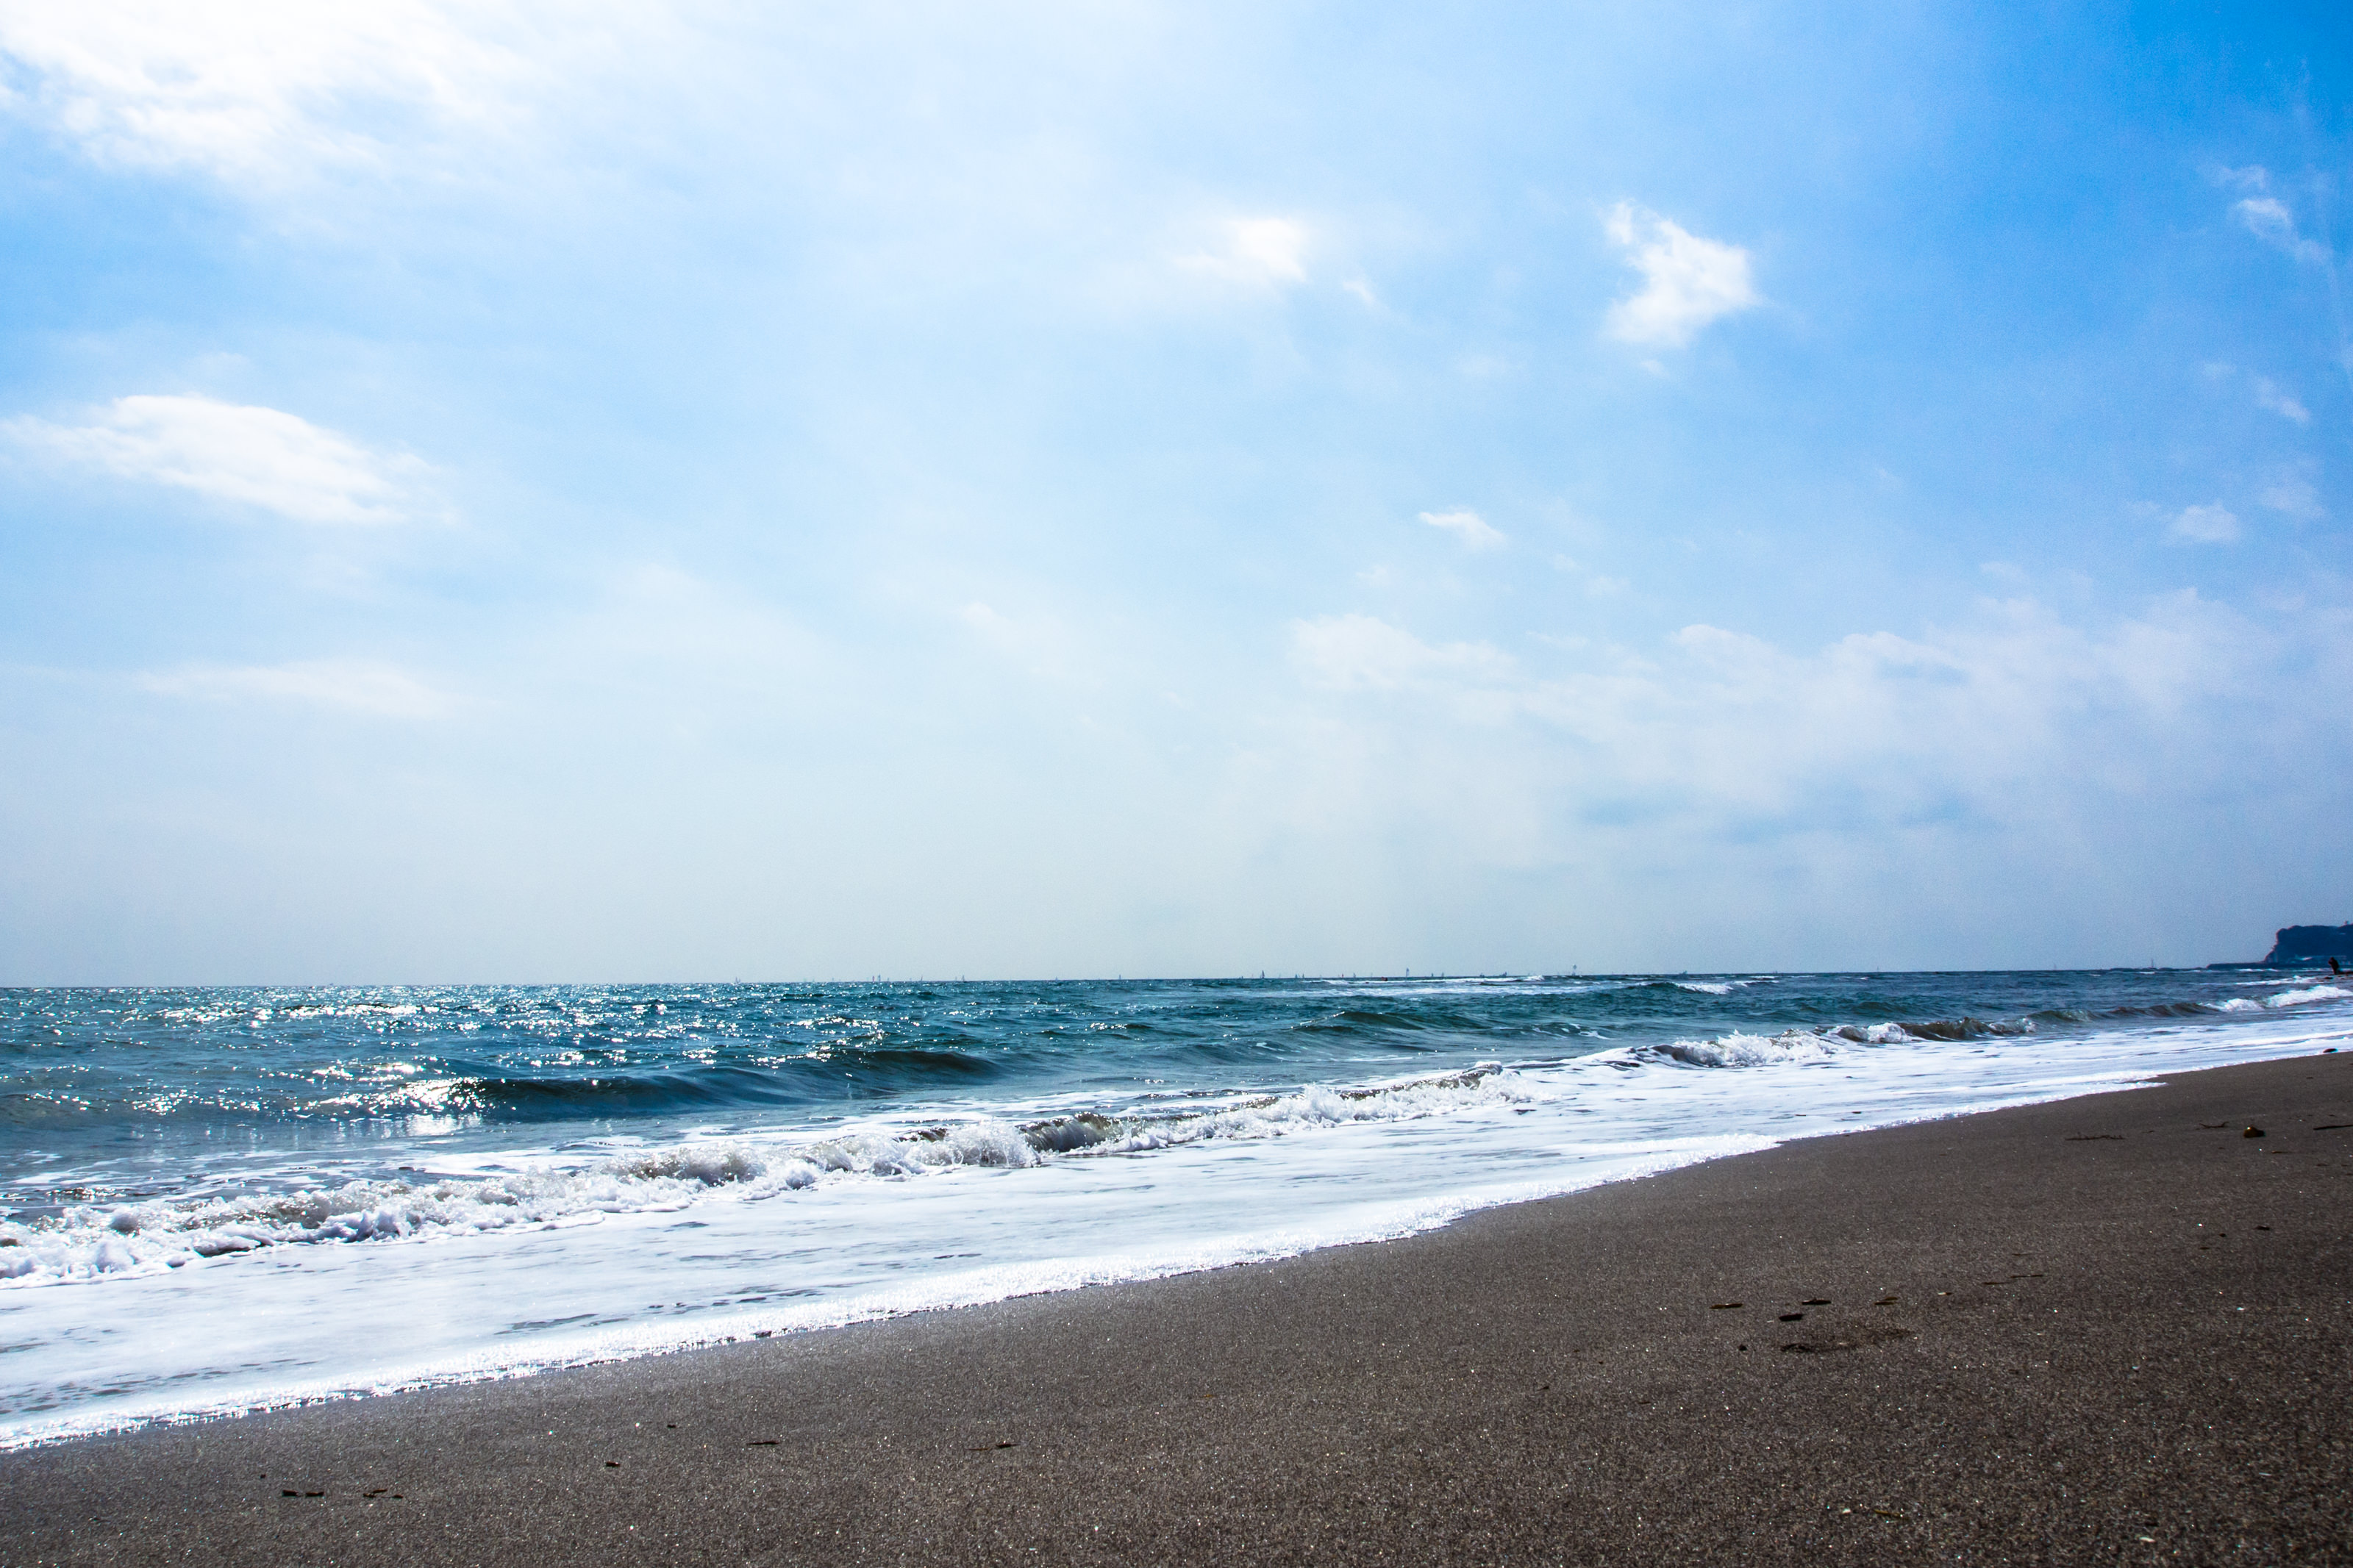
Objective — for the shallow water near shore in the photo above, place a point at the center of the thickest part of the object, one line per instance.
(220, 1199)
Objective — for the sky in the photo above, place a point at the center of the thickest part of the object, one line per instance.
(510, 491)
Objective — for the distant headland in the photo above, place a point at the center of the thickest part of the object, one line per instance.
(2297, 945)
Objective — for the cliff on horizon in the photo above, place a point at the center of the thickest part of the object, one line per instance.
(2309, 944)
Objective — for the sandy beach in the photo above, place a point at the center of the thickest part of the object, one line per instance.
(2112, 1329)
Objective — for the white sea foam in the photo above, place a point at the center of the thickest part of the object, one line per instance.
(1740, 1049)
(1744, 1050)
(91, 1240)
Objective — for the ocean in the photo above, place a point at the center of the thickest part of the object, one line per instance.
(222, 1199)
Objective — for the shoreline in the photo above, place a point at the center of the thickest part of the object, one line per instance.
(231, 1285)
(1522, 1381)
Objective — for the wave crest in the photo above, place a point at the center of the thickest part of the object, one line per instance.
(1741, 1050)
(1744, 1050)
(90, 1241)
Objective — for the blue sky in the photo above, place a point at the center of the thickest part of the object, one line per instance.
(510, 491)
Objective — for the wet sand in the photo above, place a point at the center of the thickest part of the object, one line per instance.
(2113, 1329)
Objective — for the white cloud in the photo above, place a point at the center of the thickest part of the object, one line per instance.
(1718, 741)
(260, 457)
(1596, 585)
(1687, 281)
(2268, 393)
(2280, 401)
(1037, 640)
(2214, 524)
(2269, 219)
(992, 626)
(1467, 526)
(258, 90)
(2296, 497)
(1264, 251)
(1362, 653)
(1364, 293)
(356, 686)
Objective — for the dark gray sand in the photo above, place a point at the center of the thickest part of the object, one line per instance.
(2112, 1329)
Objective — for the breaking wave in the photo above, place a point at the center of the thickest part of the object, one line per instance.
(2293, 998)
(89, 1241)
(1741, 1050)
(2309, 994)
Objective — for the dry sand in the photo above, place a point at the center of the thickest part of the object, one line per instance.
(2114, 1329)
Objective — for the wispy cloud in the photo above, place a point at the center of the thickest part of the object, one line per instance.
(2212, 524)
(2280, 401)
(2268, 394)
(1265, 251)
(1467, 526)
(2270, 220)
(1720, 737)
(257, 91)
(259, 457)
(1364, 653)
(1597, 585)
(1036, 641)
(2294, 496)
(354, 686)
(1687, 281)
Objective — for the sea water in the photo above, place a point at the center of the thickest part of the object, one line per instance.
(221, 1199)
